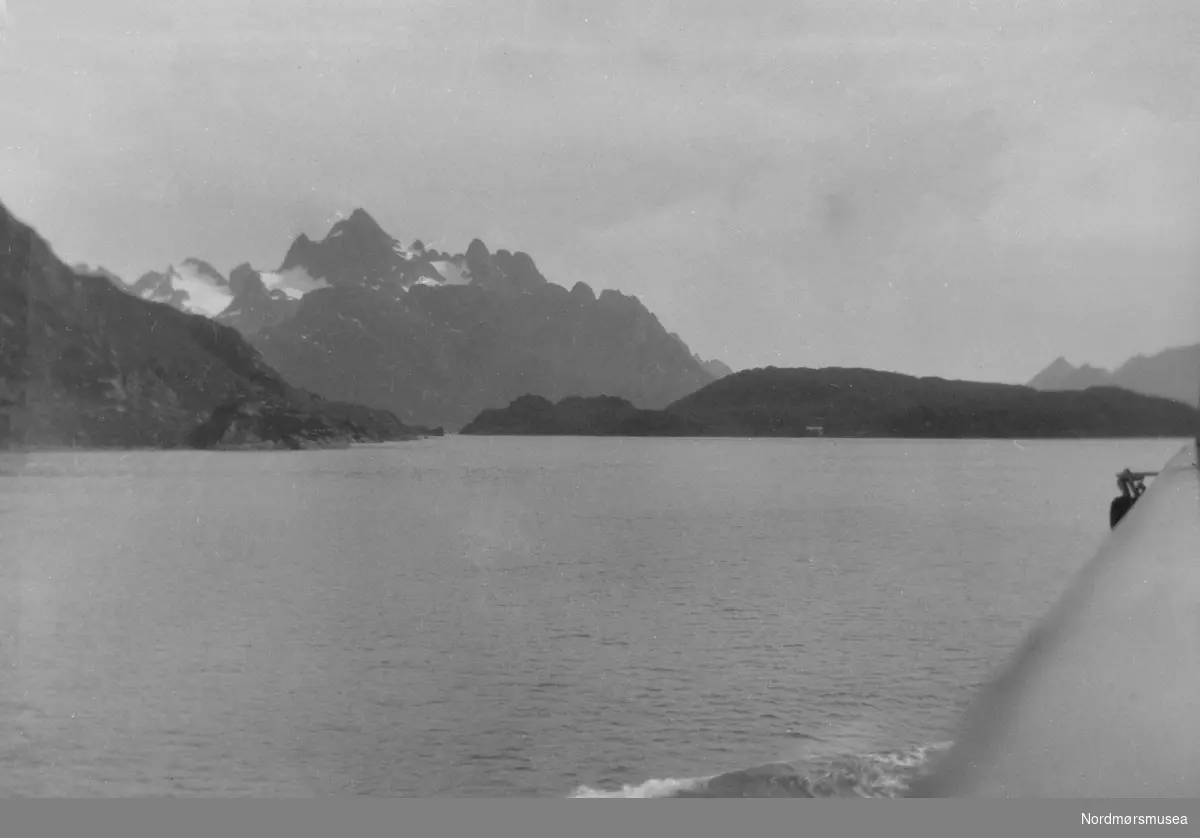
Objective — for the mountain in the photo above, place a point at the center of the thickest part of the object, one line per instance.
(855, 403)
(85, 363)
(195, 287)
(436, 338)
(431, 336)
(1172, 373)
(358, 253)
(1062, 375)
(440, 355)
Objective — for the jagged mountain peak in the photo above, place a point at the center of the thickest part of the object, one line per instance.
(1173, 373)
(477, 255)
(202, 268)
(356, 251)
(261, 300)
(361, 228)
(244, 279)
(194, 286)
(360, 216)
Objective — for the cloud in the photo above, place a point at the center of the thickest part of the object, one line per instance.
(907, 184)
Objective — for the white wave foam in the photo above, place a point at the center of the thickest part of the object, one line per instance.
(869, 774)
(648, 789)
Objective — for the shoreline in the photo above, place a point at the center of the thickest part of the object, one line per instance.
(263, 447)
(228, 449)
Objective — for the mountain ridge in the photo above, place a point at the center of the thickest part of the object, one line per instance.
(435, 337)
(1172, 373)
(431, 336)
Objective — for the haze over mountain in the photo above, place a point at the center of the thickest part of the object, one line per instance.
(85, 363)
(1173, 374)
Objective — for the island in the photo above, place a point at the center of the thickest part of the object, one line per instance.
(311, 423)
(840, 402)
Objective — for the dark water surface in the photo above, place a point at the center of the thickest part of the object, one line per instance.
(510, 616)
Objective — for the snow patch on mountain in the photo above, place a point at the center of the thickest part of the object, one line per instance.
(452, 272)
(409, 253)
(294, 282)
(205, 295)
(194, 287)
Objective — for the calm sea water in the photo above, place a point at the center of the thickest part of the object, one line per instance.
(509, 616)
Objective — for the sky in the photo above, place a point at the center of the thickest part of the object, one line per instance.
(962, 188)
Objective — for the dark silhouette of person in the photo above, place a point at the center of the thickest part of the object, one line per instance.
(1131, 488)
